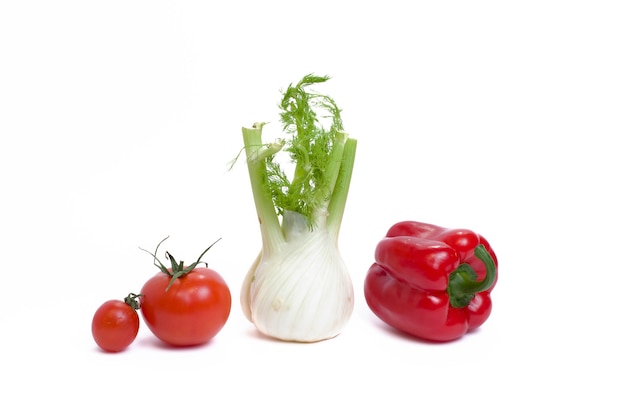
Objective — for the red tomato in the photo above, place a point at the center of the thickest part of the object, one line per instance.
(115, 324)
(191, 311)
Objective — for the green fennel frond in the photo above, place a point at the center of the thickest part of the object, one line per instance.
(314, 121)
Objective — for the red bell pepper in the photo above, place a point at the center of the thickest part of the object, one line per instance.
(431, 282)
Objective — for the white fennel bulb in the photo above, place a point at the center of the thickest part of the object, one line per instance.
(302, 293)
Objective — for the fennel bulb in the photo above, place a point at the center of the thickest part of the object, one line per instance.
(299, 288)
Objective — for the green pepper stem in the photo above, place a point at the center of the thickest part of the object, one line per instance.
(463, 284)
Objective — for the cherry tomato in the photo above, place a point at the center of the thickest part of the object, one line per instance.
(185, 306)
(116, 323)
(191, 312)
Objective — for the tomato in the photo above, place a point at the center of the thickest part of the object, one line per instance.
(116, 323)
(188, 310)
(185, 305)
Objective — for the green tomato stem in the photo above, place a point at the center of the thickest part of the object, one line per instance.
(132, 300)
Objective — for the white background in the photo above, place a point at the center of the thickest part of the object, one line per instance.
(118, 121)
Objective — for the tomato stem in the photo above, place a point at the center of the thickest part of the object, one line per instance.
(132, 300)
(178, 269)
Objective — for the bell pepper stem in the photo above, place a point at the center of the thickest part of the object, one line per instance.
(463, 284)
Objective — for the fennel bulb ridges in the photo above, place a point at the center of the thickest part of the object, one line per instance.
(303, 294)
